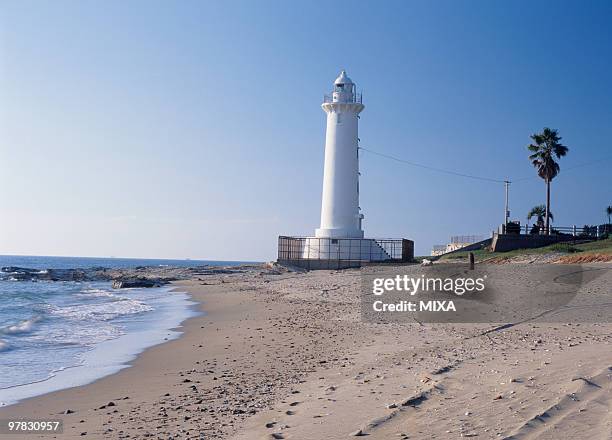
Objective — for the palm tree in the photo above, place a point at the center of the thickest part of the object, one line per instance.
(545, 148)
(539, 212)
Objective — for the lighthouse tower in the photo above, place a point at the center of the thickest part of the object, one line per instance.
(340, 213)
(339, 241)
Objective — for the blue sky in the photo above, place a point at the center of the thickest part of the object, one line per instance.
(194, 129)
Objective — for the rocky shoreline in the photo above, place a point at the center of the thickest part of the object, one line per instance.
(141, 276)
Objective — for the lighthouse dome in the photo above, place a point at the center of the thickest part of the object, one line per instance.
(343, 79)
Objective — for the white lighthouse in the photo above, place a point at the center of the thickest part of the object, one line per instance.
(339, 241)
(340, 237)
(340, 213)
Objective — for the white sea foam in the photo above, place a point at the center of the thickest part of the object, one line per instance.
(84, 336)
(4, 345)
(100, 293)
(101, 312)
(23, 327)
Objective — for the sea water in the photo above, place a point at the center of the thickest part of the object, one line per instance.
(60, 334)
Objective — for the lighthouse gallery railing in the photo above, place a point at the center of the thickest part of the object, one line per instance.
(357, 98)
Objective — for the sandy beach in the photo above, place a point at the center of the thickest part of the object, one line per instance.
(285, 355)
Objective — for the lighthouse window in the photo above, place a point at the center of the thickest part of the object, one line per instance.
(338, 118)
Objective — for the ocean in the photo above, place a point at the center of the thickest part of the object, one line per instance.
(59, 334)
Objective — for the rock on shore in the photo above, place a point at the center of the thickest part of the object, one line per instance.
(136, 282)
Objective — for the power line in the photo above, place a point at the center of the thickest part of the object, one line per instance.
(470, 176)
(427, 167)
(506, 182)
(592, 162)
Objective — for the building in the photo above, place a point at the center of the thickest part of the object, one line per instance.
(456, 242)
(438, 249)
(339, 241)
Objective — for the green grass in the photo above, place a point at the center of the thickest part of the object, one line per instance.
(600, 246)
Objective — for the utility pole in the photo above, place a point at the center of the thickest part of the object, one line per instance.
(506, 211)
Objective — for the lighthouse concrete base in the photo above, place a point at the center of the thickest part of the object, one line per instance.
(361, 249)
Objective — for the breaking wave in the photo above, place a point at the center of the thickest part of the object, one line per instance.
(25, 326)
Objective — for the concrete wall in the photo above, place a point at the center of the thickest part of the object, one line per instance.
(363, 249)
(510, 242)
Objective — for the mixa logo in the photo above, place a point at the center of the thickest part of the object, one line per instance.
(414, 306)
(437, 306)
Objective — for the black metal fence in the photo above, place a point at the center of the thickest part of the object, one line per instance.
(338, 253)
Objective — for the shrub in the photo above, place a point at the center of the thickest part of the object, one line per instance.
(564, 247)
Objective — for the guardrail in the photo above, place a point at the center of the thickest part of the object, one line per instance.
(466, 239)
(586, 231)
